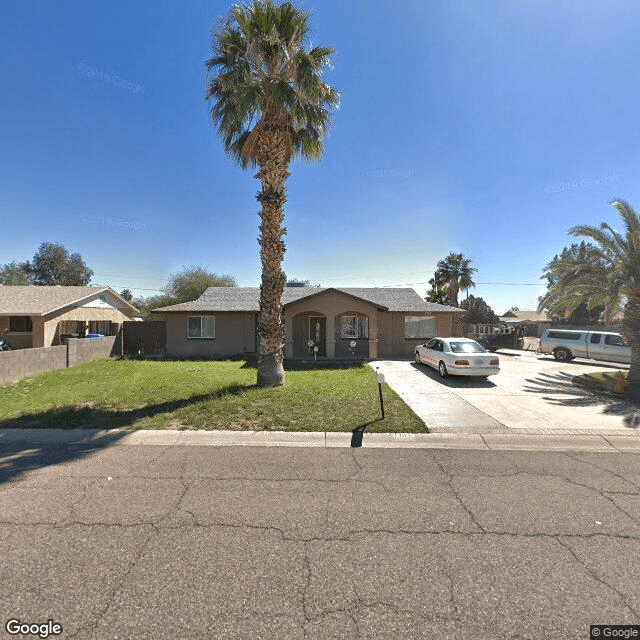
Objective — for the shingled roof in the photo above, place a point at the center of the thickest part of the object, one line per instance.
(248, 299)
(33, 300)
(525, 316)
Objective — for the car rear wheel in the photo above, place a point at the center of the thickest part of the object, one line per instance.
(562, 355)
(442, 368)
(416, 357)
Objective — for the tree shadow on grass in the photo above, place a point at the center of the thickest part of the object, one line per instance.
(89, 417)
(559, 389)
(20, 454)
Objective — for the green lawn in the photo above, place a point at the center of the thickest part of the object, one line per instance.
(144, 394)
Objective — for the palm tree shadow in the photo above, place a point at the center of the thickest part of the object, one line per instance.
(559, 389)
(18, 457)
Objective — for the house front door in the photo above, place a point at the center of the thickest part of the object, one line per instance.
(318, 335)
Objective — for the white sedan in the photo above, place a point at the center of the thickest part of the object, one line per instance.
(457, 357)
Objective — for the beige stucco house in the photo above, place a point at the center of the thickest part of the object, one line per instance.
(350, 323)
(35, 316)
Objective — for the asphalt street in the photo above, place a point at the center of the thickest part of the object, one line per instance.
(184, 542)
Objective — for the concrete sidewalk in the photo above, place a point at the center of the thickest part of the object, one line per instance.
(482, 441)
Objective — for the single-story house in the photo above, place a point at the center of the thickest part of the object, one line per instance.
(350, 323)
(36, 316)
(535, 321)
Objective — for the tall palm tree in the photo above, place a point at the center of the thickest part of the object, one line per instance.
(436, 294)
(610, 276)
(269, 104)
(579, 279)
(452, 274)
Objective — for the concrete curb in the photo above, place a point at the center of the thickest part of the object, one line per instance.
(606, 442)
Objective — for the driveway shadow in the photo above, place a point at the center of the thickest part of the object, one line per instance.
(455, 382)
(558, 389)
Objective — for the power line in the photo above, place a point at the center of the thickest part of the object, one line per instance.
(506, 284)
(110, 275)
(516, 284)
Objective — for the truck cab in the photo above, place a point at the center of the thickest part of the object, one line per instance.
(608, 346)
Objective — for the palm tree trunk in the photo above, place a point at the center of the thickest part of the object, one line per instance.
(630, 329)
(274, 153)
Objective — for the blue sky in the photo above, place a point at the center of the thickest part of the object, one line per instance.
(482, 127)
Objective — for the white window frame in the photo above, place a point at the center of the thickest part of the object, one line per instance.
(202, 337)
(424, 329)
(360, 324)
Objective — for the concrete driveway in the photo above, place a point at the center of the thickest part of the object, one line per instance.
(531, 394)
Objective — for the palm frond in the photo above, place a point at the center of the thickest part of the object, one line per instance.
(261, 66)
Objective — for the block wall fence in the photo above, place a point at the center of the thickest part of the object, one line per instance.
(17, 364)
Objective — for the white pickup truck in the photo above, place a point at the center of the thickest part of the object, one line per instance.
(566, 344)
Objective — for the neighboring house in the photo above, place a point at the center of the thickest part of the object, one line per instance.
(476, 331)
(362, 323)
(535, 321)
(35, 316)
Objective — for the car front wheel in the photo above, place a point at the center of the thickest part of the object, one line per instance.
(442, 368)
(562, 355)
(417, 358)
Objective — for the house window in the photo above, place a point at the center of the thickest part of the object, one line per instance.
(201, 327)
(20, 324)
(100, 326)
(355, 327)
(419, 327)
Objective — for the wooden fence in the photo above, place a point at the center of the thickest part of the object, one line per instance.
(144, 338)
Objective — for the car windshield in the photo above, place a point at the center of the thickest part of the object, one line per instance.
(466, 347)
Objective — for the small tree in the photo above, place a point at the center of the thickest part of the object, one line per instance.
(127, 295)
(16, 273)
(52, 264)
(479, 312)
(190, 283)
(298, 283)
